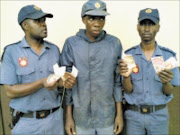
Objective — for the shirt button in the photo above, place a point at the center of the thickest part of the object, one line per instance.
(41, 71)
(92, 59)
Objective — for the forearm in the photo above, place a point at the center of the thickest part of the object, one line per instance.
(20, 90)
(168, 88)
(69, 111)
(127, 85)
(119, 109)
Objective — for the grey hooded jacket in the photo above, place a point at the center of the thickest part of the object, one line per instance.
(98, 83)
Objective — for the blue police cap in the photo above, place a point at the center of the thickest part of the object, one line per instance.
(31, 12)
(148, 13)
(94, 8)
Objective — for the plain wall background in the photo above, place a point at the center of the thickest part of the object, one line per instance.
(121, 22)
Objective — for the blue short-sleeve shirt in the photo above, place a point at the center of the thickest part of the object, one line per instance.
(21, 64)
(147, 87)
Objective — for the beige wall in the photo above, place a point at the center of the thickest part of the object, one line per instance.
(121, 23)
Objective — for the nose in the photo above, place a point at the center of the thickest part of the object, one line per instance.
(43, 23)
(97, 23)
(147, 27)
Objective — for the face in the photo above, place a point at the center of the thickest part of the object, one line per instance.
(147, 30)
(94, 25)
(36, 29)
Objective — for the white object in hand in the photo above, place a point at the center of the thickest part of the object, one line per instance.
(74, 71)
(58, 73)
(170, 63)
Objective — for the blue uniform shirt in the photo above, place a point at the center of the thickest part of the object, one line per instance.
(147, 87)
(98, 82)
(21, 65)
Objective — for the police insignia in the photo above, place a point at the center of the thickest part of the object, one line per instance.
(23, 62)
(37, 8)
(148, 11)
(97, 5)
(135, 70)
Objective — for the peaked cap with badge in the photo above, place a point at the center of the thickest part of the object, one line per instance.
(94, 8)
(31, 12)
(148, 13)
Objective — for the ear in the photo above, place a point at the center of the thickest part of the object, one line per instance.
(84, 20)
(24, 25)
(137, 26)
(158, 27)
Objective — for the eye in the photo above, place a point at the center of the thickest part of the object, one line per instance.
(91, 18)
(40, 20)
(102, 18)
(152, 24)
(142, 24)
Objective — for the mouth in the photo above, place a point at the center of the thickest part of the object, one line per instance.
(44, 30)
(96, 31)
(146, 35)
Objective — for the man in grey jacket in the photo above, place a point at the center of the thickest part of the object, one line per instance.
(96, 98)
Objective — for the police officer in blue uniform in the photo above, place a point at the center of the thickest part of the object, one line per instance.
(146, 92)
(35, 104)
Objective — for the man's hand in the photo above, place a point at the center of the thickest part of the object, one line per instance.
(165, 75)
(50, 86)
(69, 80)
(118, 125)
(123, 69)
(70, 126)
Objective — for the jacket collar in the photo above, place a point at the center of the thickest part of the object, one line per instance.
(82, 34)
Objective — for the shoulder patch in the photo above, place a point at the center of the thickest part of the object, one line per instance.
(134, 47)
(168, 50)
(6, 47)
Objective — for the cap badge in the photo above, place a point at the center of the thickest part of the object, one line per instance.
(37, 8)
(148, 11)
(135, 70)
(23, 62)
(97, 5)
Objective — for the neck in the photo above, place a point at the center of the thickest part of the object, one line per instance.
(34, 43)
(91, 38)
(148, 46)
(148, 49)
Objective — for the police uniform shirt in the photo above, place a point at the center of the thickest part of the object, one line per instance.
(21, 64)
(147, 87)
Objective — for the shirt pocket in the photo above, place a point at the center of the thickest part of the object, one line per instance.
(157, 86)
(137, 80)
(25, 75)
(51, 70)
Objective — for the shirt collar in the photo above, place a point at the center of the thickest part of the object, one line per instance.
(25, 44)
(138, 50)
(157, 51)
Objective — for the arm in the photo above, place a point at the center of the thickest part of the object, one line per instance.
(19, 90)
(123, 70)
(70, 126)
(118, 126)
(168, 88)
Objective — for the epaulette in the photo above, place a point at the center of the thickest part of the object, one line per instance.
(6, 47)
(12, 44)
(168, 50)
(134, 47)
(49, 42)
